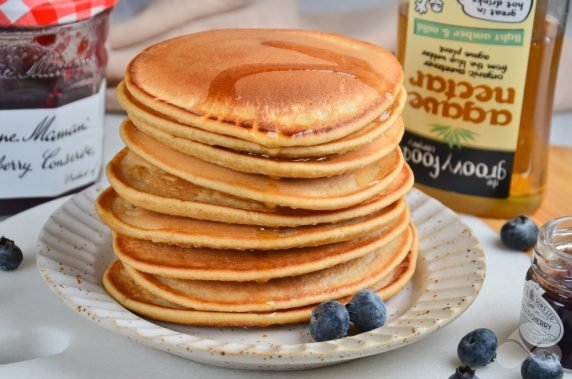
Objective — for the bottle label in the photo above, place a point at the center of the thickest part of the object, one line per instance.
(465, 69)
(47, 152)
(540, 325)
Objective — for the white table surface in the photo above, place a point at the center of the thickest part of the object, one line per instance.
(41, 338)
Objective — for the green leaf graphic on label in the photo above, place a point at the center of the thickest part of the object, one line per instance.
(453, 136)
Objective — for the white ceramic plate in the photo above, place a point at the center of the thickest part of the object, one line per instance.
(74, 249)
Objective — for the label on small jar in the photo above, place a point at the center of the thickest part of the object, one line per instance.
(49, 151)
(540, 325)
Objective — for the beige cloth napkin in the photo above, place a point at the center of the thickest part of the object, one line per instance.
(163, 19)
(163, 16)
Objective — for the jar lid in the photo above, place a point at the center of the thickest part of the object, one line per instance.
(30, 13)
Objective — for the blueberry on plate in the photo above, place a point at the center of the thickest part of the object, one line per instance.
(464, 372)
(542, 365)
(10, 255)
(478, 348)
(329, 321)
(520, 233)
(367, 310)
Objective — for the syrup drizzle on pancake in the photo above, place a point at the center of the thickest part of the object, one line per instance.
(223, 86)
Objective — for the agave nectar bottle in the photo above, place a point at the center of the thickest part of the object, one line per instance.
(480, 77)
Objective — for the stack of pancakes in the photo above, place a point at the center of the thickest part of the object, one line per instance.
(261, 176)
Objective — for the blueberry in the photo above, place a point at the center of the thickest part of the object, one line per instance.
(10, 255)
(367, 310)
(542, 365)
(520, 233)
(329, 321)
(464, 372)
(478, 348)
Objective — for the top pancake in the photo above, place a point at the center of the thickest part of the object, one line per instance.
(142, 116)
(272, 87)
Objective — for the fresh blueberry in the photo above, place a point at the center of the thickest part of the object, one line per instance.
(464, 372)
(520, 233)
(329, 321)
(10, 255)
(367, 310)
(542, 365)
(478, 348)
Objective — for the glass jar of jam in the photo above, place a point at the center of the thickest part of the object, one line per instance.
(52, 84)
(546, 314)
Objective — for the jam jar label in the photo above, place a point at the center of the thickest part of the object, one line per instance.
(49, 151)
(540, 325)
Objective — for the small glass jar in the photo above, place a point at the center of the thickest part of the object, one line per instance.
(546, 314)
(52, 85)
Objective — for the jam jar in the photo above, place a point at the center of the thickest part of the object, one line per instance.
(52, 85)
(546, 313)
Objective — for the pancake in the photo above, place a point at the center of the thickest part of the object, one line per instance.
(271, 87)
(282, 293)
(140, 183)
(145, 117)
(317, 167)
(135, 298)
(232, 265)
(331, 193)
(149, 187)
(140, 223)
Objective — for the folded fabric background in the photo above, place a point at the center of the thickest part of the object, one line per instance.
(371, 20)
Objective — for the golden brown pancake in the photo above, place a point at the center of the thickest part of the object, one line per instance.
(149, 187)
(317, 167)
(238, 265)
(336, 192)
(146, 117)
(130, 173)
(334, 282)
(140, 223)
(137, 299)
(272, 87)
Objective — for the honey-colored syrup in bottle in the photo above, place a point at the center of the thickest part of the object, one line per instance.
(473, 36)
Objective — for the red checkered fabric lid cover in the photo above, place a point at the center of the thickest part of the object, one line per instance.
(31, 13)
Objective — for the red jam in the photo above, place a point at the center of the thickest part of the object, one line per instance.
(51, 93)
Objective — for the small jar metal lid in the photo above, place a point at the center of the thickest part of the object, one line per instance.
(552, 255)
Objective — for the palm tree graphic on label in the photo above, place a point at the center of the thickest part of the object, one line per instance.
(453, 137)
